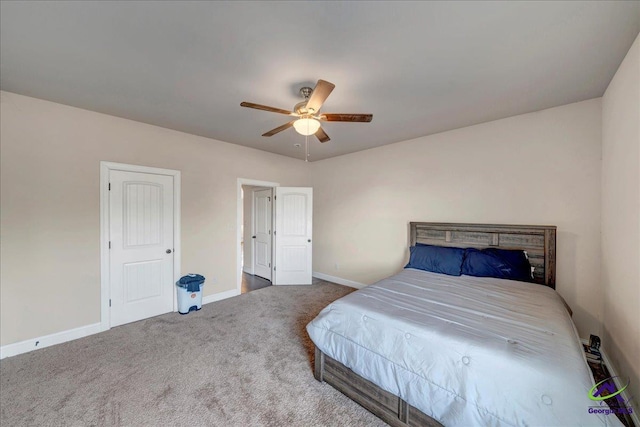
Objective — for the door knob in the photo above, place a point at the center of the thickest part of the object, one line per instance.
(168, 251)
(309, 240)
(253, 237)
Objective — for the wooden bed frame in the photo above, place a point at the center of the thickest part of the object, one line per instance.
(540, 244)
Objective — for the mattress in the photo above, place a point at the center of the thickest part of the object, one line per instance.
(464, 350)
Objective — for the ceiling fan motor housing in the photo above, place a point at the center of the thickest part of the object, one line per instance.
(301, 107)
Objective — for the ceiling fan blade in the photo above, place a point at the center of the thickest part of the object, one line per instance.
(265, 108)
(279, 129)
(319, 95)
(322, 135)
(338, 117)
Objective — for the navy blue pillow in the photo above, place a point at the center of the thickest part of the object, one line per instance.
(437, 259)
(500, 263)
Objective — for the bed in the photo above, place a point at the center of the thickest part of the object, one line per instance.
(421, 348)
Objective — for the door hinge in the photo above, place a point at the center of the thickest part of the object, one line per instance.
(109, 186)
(109, 302)
(109, 244)
(269, 199)
(275, 197)
(274, 232)
(274, 268)
(269, 265)
(269, 232)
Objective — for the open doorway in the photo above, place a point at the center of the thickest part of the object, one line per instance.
(290, 227)
(255, 218)
(257, 237)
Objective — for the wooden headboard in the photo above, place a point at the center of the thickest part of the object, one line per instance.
(538, 240)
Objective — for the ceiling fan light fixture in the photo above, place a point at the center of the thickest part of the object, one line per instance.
(306, 126)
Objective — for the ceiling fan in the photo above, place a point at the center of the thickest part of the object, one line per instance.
(308, 113)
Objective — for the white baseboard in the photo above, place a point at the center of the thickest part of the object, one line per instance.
(247, 270)
(616, 379)
(48, 340)
(338, 280)
(81, 332)
(220, 296)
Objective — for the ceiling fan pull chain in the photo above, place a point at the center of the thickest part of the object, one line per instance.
(306, 148)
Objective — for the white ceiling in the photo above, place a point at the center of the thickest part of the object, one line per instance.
(419, 68)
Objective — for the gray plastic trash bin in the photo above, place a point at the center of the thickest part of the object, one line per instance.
(190, 293)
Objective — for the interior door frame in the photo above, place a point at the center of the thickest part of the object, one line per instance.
(244, 214)
(239, 222)
(105, 169)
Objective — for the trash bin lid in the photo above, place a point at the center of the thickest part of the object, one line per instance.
(191, 278)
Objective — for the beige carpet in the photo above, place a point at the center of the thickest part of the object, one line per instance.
(244, 361)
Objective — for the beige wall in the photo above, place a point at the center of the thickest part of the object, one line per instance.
(538, 168)
(621, 219)
(50, 154)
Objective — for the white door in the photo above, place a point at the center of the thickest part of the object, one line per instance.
(293, 233)
(262, 233)
(141, 241)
